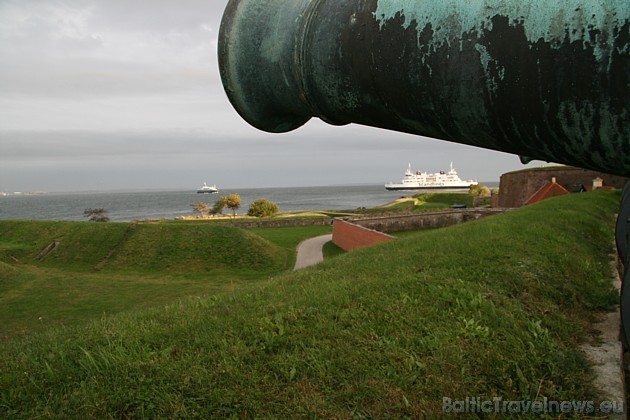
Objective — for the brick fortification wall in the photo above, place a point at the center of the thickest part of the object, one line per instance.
(349, 236)
(518, 186)
(430, 220)
(357, 233)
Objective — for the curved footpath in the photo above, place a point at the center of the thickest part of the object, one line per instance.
(309, 251)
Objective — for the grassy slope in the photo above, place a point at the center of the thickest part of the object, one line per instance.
(83, 245)
(489, 308)
(443, 200)
(153, 265)
(430, 201)
(177, 248)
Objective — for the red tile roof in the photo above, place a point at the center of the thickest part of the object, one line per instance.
(551, 189)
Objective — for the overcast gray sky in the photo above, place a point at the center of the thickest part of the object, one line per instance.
(126, 94)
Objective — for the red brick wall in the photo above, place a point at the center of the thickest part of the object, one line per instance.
(348, 236)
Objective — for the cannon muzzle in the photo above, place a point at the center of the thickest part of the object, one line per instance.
(544, 80)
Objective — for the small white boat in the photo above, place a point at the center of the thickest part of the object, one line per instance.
(208, 189)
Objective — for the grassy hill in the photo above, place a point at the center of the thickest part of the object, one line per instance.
(104, 268)
(173, 248)
(495, 307)
(83, 244)
(148, 248)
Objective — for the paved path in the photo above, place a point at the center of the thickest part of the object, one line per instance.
(309, 251)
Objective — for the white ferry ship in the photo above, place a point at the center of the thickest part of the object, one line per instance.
(208, 189)
(425, 181)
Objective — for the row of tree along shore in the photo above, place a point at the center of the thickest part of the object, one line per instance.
(258, 208)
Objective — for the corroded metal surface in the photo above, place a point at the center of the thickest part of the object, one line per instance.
(544, 80)
(622, 239)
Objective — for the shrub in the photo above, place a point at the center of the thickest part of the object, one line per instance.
(96, 215)
(479, 190)
(262, 208)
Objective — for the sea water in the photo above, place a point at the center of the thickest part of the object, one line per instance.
(142, 205)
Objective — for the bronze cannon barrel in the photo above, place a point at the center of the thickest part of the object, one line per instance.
(544, 80)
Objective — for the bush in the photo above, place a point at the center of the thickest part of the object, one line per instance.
(479, 190)
(96, 215)
(262, 208)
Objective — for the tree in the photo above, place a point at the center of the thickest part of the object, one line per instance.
(262, 208)
(96, 215)
(218, 206)
(233, 202)
(479, 194)
(479, 190)
(201, 208)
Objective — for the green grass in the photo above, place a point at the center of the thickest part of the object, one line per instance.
(176, 248)
(288, 238)
(443, 200)
(331, 250)
(407, 233)
(83, 245)
(425, 202)
(494, 307)
(148, 265)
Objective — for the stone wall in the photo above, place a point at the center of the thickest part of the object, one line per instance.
(269, 223)
(519, 186)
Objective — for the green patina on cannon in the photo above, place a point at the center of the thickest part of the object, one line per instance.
(543, 80)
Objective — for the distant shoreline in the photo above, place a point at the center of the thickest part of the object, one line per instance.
(20, 193)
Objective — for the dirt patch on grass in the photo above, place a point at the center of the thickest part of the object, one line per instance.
(606, 355)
